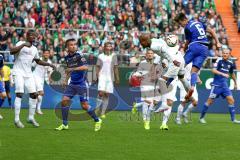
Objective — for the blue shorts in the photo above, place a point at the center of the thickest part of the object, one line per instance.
(7, 86)
(217, 91)
(2, 88)
(77, 90)
(196, 53)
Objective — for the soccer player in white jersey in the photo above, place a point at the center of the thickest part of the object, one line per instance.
(160, 47)
(25, 53)
(150, 73)
(41, 74)
(169, 97)
(107, 73)
(183, 93)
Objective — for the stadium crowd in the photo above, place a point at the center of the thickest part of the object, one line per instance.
(94, 22)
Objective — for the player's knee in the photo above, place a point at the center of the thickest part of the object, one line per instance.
(19, 95)
(33, 95)
(231, 101)
(85, 105)
(41, 93)
(100, 94)
(3, 95)
(209, 102)
(66, 102)
(195, 103)
(169, 102)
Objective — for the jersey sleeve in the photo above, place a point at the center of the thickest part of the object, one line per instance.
(36, 56)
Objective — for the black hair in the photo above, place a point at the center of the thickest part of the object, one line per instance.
(69, 40)
(180, 17)
(31, 31)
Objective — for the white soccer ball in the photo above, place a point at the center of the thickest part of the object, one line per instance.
(172, 40)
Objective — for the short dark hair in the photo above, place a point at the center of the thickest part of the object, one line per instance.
(69, 40)
(180, 17)
(31, 31)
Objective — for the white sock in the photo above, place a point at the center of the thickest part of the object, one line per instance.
(139, 104)
(17, 106)
(189, 109)
(39, 103)
(179, 111)
(104, 105)
(145, 111)
(32, 108)
(99, 101)
(166, 115)
(150, 109)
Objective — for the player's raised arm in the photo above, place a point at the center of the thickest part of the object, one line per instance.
(19, 46)
(214, 35)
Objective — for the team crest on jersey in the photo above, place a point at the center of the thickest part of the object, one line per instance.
(229, 66)
(83, 59)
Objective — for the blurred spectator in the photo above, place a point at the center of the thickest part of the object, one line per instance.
(95, 22)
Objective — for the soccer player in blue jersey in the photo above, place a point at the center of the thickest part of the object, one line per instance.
(196, 47)
(77, 72)
(220, 87)
(2, 88)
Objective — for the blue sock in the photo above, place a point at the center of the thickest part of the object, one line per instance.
(65, 115)
(232, 109)
(204, 111)
(194, 77)
(1, 102)
(169, 81)
(10, 101)
(92, 113)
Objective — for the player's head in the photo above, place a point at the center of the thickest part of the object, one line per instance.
(181, 19)
(145, 40)
(71, 45)
(46, 54)
(226, 53)
(107, 47)
(149, 55)
(31, 35)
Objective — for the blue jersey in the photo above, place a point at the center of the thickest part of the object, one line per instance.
(195, 31)
(77, 60)
(224, 66)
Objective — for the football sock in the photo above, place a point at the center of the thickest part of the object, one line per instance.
(232, 109)
(32, 108)
(204, 111)
(17, 106)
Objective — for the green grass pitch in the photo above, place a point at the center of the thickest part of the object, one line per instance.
(122, 138)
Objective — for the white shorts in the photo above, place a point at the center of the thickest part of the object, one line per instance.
(22, 83)
(183, 92)
(39, 82)
(173, 71)
(172, 94)
(105, 85)
(148, 92)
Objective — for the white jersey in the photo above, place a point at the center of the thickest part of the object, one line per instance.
(188, 69)
(107, 63)
(23, 60)
(160, 47)
(42, 72)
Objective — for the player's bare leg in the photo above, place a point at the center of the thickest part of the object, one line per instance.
(2, 97)
(39, 102)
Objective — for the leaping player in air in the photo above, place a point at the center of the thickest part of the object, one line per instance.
(196, 47)
(77, 72)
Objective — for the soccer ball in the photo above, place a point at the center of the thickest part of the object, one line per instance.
(172, 40)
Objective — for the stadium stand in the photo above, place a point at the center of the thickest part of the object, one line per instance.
(94, 22)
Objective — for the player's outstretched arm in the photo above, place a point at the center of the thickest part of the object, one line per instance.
(42, 63)
(215, 71)
(214, 35)
(233, 75)
(15, 50)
